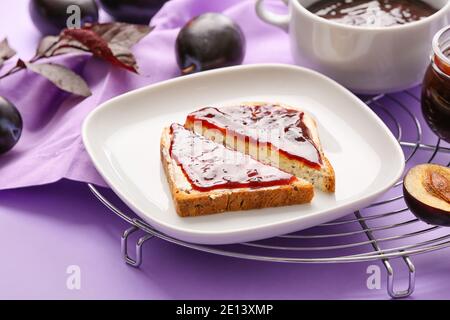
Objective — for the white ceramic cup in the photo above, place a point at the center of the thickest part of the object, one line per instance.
(364, 59)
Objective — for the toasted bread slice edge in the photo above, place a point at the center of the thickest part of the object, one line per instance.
(189, 202)
(323, 179)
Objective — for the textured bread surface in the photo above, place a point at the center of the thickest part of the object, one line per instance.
(324, 178)
(189, 202)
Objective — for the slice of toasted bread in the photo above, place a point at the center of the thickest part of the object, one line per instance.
(322, 176)
(191, 202)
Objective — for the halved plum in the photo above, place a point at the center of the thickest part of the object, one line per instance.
(426, 188)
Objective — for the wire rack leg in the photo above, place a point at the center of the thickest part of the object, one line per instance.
(390, 270)
(412, 279)
(124, 246)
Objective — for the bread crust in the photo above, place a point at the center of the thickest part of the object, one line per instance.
(323, 179)
(190, 203)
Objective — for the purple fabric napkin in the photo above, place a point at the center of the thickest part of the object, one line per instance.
(51, 147)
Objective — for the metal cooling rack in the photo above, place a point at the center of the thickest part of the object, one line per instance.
(384, 231)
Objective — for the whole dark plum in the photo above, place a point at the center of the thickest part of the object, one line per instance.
(132, 11)
(209, 41)
(10, 125)
(50, 16)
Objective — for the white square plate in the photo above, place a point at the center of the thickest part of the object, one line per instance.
(122, 137)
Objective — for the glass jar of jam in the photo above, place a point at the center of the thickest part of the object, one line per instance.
(436, 86)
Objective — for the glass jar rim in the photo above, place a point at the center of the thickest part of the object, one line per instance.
(439, 58)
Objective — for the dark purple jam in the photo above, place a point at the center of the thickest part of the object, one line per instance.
(280, 128)
(208, 165)
(378, 13)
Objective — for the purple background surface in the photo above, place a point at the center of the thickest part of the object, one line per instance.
(46, 229)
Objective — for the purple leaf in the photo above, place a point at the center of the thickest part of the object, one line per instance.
(123, 34)
(100, 48)
(60, 76)
(6, 52)
(45, 45)
(53, 46)
(108, 41)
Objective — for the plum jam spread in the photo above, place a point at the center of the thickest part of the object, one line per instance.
(436, 87)
(280, 128)
(208, 165)
(379, 13)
